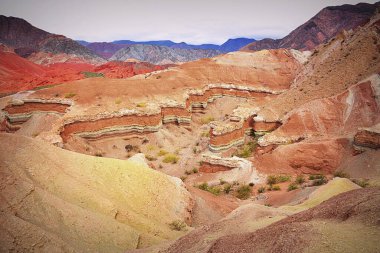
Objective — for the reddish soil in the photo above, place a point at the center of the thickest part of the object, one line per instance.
(32, 106)
(118, 69)
(212, 168)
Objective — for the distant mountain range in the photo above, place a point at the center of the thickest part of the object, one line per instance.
(107, 47)
(319, 29)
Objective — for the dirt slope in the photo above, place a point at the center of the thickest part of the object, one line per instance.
(57, 200)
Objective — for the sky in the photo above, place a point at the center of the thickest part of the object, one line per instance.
(192, 21)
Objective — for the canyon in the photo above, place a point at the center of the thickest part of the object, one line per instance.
(258, 149)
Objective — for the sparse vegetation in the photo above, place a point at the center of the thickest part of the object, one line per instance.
(319, 180)
(222, 181)
(70, 95)
(207, 119)
(361, 182)
(118, 101)
(205, 134)
(276, 188)
(178, 225)
(216, 189)
(183, 178)
(162, 152)
(195, 170)
(188, 172)
(261, 189)
(243, 192)
(141, 104)
(292, 186)
(150, 158)
(88, 74)
(341, 174)
(275, 179)
(99, 154)
(45, 86)
(246, 150)
(300, 179)
(170, 158)
(251, 184)
(227, 188)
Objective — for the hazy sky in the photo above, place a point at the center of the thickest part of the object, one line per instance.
(192, 21)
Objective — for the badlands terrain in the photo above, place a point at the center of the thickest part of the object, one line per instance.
(271, 148)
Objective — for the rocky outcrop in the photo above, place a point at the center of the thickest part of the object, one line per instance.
(368, 137)
(322, 27)
(340, 115)
(161, 54)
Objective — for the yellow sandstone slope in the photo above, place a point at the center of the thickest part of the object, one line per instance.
(56, 200)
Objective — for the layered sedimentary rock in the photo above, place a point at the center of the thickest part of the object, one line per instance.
(21, 110)
(359, 106)
(232, 168)
(368, 137)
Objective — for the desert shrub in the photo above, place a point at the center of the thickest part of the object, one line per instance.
(292, 186)
(261, 189)
(118, 101)
(246, 150)
(216, 190)
(251, 184)
(300, 179)
(141, 104)
(160, 166)
(222, 181)
(188, 172)
(341, 174)
(320, 180)
(151, 147)
(88, 74)
(283, 178)
(207, 119)
(70, 95)
(203, 186)
(318, 176)
(45, 87)
(275, 179)
(227, 188)
(361, 182)
(178, 225)
(195, 170)
(170, 158)
(99, 154)
(271, 179)
(276, 188)
(205, 134)
(150, 158)
(243, 192)
(183, 178)
(162, 152)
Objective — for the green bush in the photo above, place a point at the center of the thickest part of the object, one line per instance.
(243, 192)
(276, 188)
(70, 95)
(178, 225)
(361, 182)
(246, 150)
(170, 158)
(227, 188)
(292, 186)
(320, 180)
(341, 174)
(207, 119)
(261, 189)
(300, 179)
(203, 186)
(275, 179)
(195, 170)
(88, 74)
(162, 152)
